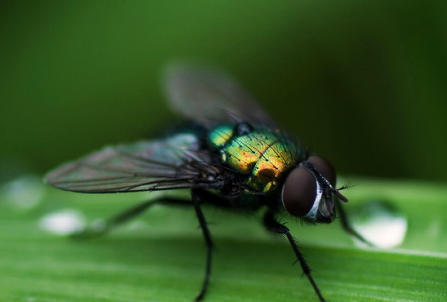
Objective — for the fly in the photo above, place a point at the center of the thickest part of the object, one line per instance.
(232, 155)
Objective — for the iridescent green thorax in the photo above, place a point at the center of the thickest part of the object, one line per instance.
(266, 155)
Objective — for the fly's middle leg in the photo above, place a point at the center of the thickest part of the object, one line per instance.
(208, 241)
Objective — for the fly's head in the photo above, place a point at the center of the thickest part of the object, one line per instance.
(308, 191)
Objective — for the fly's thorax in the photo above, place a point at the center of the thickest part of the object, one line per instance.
(261, 154)
(219, 136)
(271, 166)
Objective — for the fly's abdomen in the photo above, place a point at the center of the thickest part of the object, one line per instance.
(263, 155)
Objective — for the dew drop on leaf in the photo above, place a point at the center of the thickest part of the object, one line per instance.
(380, 223)
(63, 222)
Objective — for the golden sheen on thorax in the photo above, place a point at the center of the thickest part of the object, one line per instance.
(263, 154)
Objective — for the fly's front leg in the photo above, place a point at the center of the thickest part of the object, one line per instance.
(208, 241)
(275, 227)
(347, 226)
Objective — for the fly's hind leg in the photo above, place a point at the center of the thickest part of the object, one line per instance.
(105, 226)
(274, 226)
(123, 217)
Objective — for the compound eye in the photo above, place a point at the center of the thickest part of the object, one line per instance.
(324, 167)
(299, 192)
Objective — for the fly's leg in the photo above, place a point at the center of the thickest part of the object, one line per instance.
(107, 225)
(347, 226)
(208, 241)
(275, 227)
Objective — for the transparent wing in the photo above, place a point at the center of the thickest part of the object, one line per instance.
(211, 97)
(168, 164)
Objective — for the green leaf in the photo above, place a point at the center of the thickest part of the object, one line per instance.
(160, 256)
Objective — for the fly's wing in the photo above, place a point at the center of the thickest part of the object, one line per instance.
(211, 97)
(173, 163)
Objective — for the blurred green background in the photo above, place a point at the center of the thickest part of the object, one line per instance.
(362, 82)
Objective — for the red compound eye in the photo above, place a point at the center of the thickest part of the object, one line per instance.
(299, 192)
(324, 167)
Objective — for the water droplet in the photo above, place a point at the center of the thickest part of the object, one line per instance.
(63, 222)
(380, 223)
(24, 192)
